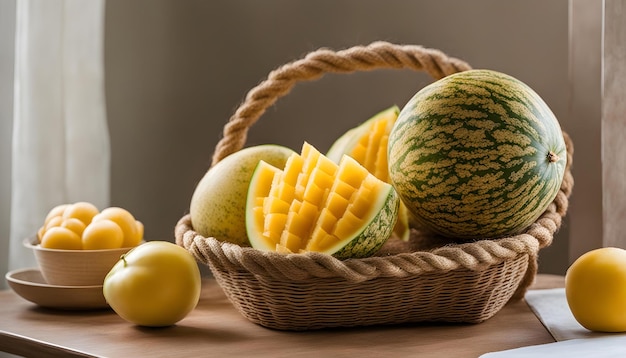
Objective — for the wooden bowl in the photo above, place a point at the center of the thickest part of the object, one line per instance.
(74, 267)
(30, 285)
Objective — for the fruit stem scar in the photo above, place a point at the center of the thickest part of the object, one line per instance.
(123, 258)
(552, 157)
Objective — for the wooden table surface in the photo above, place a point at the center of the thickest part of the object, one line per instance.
(216, 329)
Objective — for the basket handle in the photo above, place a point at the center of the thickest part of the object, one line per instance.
(359, 58)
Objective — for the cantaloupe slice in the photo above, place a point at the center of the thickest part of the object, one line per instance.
(367, 144)
(314, 204)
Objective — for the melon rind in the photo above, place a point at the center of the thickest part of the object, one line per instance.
(374, 235)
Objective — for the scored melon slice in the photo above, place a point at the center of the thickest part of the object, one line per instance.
(314, 204)
(367, 144)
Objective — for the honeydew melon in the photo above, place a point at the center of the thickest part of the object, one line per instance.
(218, 204)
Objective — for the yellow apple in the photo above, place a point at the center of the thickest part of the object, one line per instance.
(595, 287)
(155, 284)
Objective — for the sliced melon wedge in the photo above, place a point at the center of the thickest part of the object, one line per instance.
(367, 144)
(314, 204)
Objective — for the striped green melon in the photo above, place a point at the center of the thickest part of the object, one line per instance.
(477, 154)
(367, 144)
(313, 204)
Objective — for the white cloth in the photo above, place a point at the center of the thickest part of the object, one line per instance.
(600, 347)
(61, 144)
(573, 340)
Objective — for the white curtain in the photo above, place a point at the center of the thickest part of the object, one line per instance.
(60, 150)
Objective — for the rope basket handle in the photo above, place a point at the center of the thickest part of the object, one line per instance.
(279, 82)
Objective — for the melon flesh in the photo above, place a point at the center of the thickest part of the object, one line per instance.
(367, 144)
(314, 204)
(371, 149)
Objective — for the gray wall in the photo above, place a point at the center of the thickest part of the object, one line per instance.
(176, 71)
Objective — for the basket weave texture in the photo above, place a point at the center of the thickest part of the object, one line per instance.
(423, 280)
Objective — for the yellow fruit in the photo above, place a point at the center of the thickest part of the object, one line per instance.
(218, 204)
(55, 214)
(54, 221)
(126, 222)
(155, 284)
(56, 211)
(82, 211)
(102, 234)
(595, 287)
(40, 232)
(74, 224)
(140, 229)
(61, 238)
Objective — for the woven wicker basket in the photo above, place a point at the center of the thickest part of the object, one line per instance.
(424, 280)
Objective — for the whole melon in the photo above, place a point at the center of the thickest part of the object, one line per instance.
(218, 204)
(476, 155)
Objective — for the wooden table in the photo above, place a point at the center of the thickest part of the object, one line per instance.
(216, 329)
